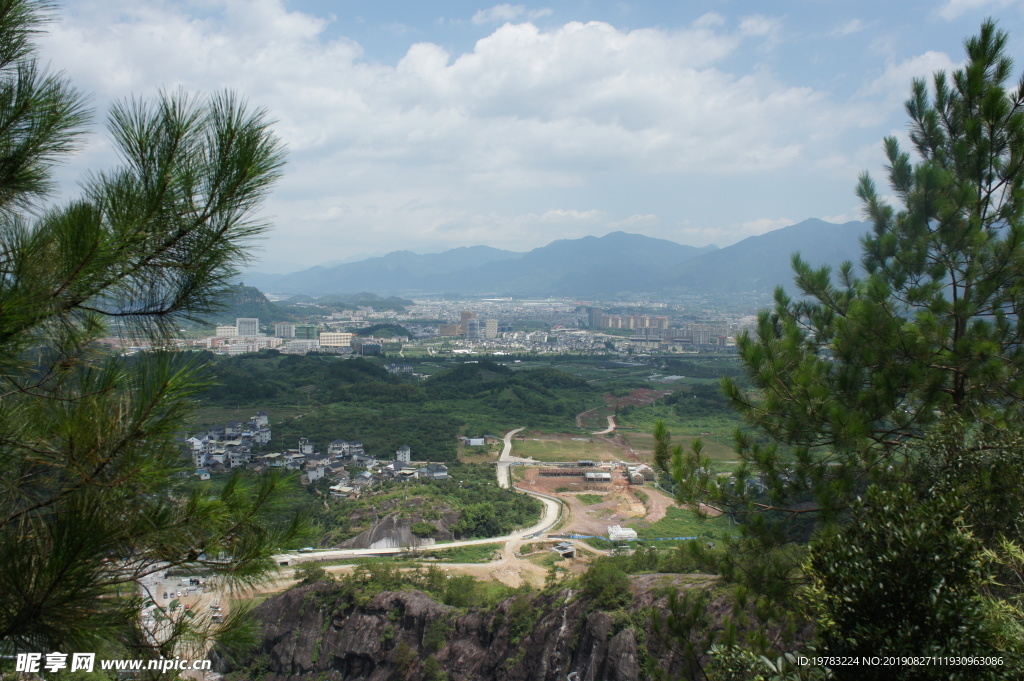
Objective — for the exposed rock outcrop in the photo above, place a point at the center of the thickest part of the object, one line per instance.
(315, 632)
(392, 521)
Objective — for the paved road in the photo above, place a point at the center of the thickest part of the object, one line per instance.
(506, 459)
(550, 515)
(552, 509)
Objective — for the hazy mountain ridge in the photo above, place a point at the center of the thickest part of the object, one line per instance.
(760, 263)
(615, 263)
(396, 272)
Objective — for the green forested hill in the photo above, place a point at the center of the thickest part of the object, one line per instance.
(246, 301)
(357, 399)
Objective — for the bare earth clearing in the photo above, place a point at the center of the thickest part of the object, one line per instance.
(620, 504)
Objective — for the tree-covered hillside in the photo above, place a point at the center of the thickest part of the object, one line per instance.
(356, 399)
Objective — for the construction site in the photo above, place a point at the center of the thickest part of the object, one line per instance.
(598, 496)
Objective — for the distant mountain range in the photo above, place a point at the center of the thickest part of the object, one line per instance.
(617, 263)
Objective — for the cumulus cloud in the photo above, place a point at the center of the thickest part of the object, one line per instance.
(893, 85)
(760, 25)
(444, 148)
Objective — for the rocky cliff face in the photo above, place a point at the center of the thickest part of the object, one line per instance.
(314, 632)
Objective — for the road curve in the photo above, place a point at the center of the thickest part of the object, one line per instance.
(552, 511)
(610, 429)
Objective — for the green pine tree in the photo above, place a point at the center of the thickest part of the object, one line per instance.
(909, 376)
(89, 499)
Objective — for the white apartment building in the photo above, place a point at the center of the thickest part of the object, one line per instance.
(248, 326)
(335, 339)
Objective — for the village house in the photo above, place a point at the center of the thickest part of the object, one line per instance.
(344, 491)
(315, 473)
(434, 471)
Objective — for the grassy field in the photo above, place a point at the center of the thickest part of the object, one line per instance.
(715, 447)
(590, 499)
(722, 424)
(597, 419)
(679, 522)
(476, 553)
(566, 449)
(545, 559)
(485, 454)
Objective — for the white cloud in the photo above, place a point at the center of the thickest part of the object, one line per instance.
(500, 14)
(476, 147)
(760, 25)
(563, 215)
(709, 20)
(894, 85)
(842, 218)
(953, 9)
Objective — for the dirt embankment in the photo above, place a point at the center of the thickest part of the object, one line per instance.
(620, 503)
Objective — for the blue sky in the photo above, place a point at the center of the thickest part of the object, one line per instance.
(432, 125)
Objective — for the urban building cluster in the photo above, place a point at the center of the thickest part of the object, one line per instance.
(471, 327)
(464, 327)
(597, 319)
(245, 336)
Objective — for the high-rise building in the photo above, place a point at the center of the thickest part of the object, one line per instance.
(472, 327)
(307, 331)
(489, 328)
(284, 330)
(464, 317)
(226, 332)
(248, 327)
